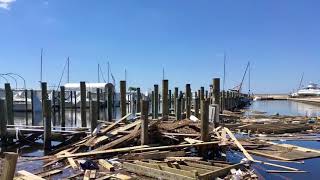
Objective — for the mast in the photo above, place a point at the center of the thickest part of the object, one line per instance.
(301, 81)
(41, 65)
(162, 73)
(68, 75)
(249, 79)
(125, 74)
(98, 73)
(224, 70)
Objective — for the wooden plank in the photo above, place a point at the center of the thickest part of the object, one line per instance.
(87, 175)
(183, 158)
(71, 161)
(115, 124)
(192, 141)
(93, 174)
(117, 142)
(276, 171)
(154, 173)
(220, 172)
(202, 166)
(121, 176)
(30, 175)
(248, 156)
(154, 155)
(192, 174)
(137, 149)
(106, 164)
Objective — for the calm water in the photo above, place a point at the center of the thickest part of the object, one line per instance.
(285, 108)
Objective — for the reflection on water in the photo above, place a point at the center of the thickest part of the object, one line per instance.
(73, 118)
(285, 108)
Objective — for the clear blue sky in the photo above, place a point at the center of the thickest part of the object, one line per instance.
(186, 37)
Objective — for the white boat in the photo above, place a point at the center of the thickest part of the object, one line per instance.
(19, 102)
(311, 90)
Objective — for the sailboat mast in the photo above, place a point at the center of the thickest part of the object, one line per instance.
(98, 73)
(249, 79)
(41, 65)
(68, 75)
(108, 72)
(224, 71)
(301, 81)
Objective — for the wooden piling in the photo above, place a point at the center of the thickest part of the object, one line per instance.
(138, 100)
(75, 106)
(178, 108)
(216, 92)
(98, 103)
(47, 125)
(202, 93)
(205, 120)
(144, 122)
(196, 106)
(165, 100)
(188, 100)
(9, 166)
(83, 104)
(32, 107)
(63, 106)
(93, 115)
(110, 101)
(123, 101)
(3, 121)
(156, 101)
(152, 104)
(44, 98)
(9, 103)
(207, 94)
(170, 100)
(26, 104)
(175, 97)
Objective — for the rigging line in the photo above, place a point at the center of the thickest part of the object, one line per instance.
(64, 68)
(102, 74)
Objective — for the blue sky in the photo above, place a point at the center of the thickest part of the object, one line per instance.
(186, 37)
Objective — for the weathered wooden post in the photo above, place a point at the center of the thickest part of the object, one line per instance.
(44, 98)
(156, 101)
(47, 125)
(75, 106)
(26, 104)
(93, 115)
(178, 108)
(3, 121)
(138, 100)
(170, 100)
(144, 122)
(152, 104)
(188, 100)
(207, 94)
(83, 103)
(9, 103)
(63, 106)
(109, 99)
(32, 107)
(202, 93)
(165, 103)
(196, 106)
(98, 103)
(9, 166)
(123, 101)
(175, 97)
(216, 93)
(204, 125)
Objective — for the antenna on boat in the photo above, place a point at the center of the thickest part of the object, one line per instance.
(41, 65)
(68, 75)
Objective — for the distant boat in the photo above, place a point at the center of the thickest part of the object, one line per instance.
(312, 90)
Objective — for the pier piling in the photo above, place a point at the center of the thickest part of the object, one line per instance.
(26, 105)
(123, 100)
(156, 101)
(63, 106)
(144, 122)
(93, 115)
(83, 103)
(3, 121)
(98, 103)
(110, 101)
(47, 125)
(178, 108)
(138, 100)
(9, 103)
(9, 165)
(44, 97)
(165, 103)
(32, 107)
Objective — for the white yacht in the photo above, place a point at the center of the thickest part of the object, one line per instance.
(311, 90)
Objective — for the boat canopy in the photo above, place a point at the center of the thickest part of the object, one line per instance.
(89, 86)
